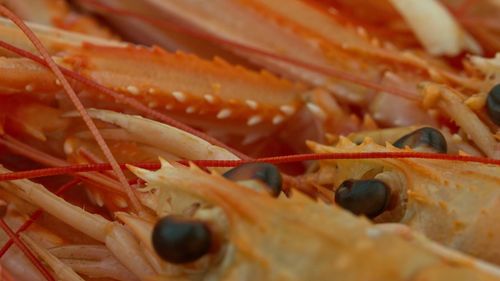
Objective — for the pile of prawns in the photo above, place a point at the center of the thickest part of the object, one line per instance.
(249, 140)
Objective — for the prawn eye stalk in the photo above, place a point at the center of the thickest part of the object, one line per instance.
(493, 104)
(424, 139)
(180, 240)
(266, 173)
(363, 197)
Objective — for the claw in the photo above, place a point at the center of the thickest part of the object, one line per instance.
(162, 136)
(120, 242)
(435, 27)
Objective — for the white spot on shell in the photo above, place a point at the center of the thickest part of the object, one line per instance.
(133, 90)
(251, 138)
(179, 96)
(278, 119)
(316, 110)
(209, 98)
(377, 116)
(90, 195)
(29, 88)
(152, 104)
(58, 83)
(373, 232)
(98, 199)
(169, 106)
(433, 113)
(287, 109)
(121, 203)
(190, 109)
(252, 104)
(333, 11)
(361, 31)
(151, 90)
(398, 122)
(254, 120)
(456, 138)
(68, 148)
(318, 81)
(224, 113)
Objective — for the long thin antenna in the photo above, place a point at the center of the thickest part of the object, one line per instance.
(44, 172)
(26, 251)
(36, 215)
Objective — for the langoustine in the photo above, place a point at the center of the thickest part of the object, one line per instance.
(487, 148)
(300, 32)
(241, 248)
(307, 51)
(452, 204)
(332, 117)
(169, 83)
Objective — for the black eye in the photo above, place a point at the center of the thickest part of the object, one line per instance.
(424, 139)
(181, 240)
(493, 104)
(265, 172)
(363, 197)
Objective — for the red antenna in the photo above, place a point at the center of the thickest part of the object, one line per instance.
(44, 172)
(26, 251)
(36, 215)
